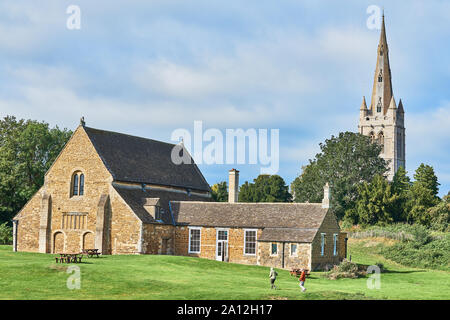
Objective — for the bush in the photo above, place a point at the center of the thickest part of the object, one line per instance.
(434, 254)
(346, 269)
(381, 266)
(5, 234)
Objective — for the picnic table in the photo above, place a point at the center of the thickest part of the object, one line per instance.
(69, 257)
(91, 252)
(298, 272)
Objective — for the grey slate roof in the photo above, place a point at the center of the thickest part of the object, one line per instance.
(135, 199)
(296, 222)
(288, 234)
(141, 160)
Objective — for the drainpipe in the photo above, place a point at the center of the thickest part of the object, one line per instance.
(15, 223)
(282, 257)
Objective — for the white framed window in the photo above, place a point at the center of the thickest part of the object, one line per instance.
(274, 249)
(194, 239)
(250, 242)
(293, 249)
(323, 240)
(335, 243)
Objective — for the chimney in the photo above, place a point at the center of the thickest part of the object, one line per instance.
(326, 196)
(233, 186)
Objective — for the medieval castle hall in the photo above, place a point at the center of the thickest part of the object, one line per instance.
(384, 121)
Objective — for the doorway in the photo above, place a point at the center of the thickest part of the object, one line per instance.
(222, 245)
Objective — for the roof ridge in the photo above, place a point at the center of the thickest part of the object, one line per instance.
(130, 135)
(249, 203)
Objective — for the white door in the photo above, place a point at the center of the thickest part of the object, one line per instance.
(222, 245)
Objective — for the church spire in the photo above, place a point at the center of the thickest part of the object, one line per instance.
(382, 83)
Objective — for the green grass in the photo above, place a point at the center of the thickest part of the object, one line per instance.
(36, 276)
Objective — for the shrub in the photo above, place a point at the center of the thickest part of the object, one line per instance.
(5, 234)
(381, 266)
(434, 254)
(346, 269)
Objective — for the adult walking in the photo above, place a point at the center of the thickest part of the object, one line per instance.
(273, 276)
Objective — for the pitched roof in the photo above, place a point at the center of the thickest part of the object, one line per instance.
(288, 234)
(136, 198)
(298, 221)
(134, 159)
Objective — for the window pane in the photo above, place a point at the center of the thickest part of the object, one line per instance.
(194, 240)
(81, 184)
(75, 185)
(223, 235)
(293, 249)
(250, 242)
(274, 248)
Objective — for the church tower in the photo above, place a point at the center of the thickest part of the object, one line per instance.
(383, 120)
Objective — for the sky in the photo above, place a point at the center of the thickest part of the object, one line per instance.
(147, 68)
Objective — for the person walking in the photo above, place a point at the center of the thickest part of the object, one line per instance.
(273, 276)
(302, 280)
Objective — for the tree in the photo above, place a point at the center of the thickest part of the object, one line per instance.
(220, 192)
(440, 215)
(376, 203)
(27, 150)
(426, 176)
(422, 195)
(401, 185)
(265, 188)
(345, 162)
(420, 200)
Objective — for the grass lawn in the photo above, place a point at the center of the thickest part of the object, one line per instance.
(37, 276)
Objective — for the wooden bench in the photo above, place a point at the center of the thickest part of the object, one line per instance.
(69, 258)
(91, 252)
(298, 272)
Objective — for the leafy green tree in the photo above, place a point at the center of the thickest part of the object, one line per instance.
(6, 234)
(220, 192)
(420, 200)
(344, 161)
(265, 188)
(426, 176)
(27, 150)
(376, 203)
(401, 184)
(422, 195)
(440, 215)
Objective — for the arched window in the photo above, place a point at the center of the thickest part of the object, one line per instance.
(372, 137)
(379, 105)
(77, 186)
(381, 141)
(380, 76)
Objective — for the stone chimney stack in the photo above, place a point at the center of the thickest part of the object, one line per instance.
(326, 196)
(233, 186)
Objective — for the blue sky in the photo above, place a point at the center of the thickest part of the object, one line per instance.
(149, 67)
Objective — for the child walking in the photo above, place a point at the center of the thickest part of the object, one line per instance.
(302, 280)
(273, 276)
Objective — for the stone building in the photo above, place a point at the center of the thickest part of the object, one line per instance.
(123, 195)
(384, 121)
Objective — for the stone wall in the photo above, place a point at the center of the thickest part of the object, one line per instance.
(158, 239)
(208, 244)
(329, 227)
(78, 155)
(300, 260)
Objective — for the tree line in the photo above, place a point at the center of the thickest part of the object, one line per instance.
(361, 194)
(349, 162)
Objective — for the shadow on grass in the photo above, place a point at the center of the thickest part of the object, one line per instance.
(405, 272)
